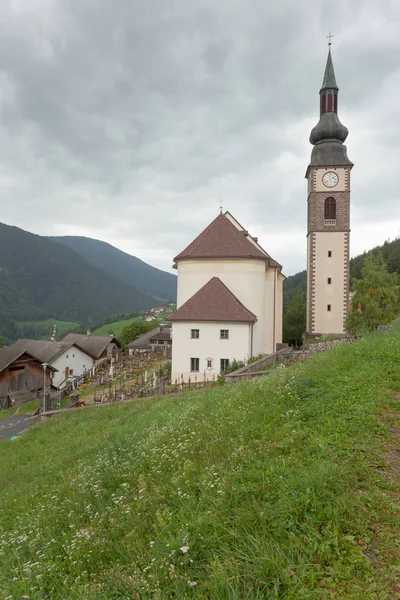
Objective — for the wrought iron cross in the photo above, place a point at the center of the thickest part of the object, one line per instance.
(329, 38)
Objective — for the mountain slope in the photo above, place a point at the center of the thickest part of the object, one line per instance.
(125, 267)
(40, 278)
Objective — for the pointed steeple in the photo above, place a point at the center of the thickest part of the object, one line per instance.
(329, 134)
(329, 82)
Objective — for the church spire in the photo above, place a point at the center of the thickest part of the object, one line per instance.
(329, 134)
(329, 81)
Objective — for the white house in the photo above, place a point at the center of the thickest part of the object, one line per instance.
(68, 358)
(230, 301)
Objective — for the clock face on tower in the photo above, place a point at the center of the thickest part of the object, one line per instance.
(330, 179)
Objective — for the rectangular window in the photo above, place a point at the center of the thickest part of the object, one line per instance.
(224, 364)
(195, 334)
(71, 371)
(195, 364)
(329, 308)
(329, 280)
(209, 363)
(224, 334)
(17, 368)
(329, 253)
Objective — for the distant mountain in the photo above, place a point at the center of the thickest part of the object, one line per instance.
(41, 278)
(127, 268)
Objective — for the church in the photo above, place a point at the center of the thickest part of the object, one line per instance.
(230, 290)
(229, 301)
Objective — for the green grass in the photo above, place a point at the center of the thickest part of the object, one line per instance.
(277, 488)
(395, 325)
(116, 327)
(62, 326)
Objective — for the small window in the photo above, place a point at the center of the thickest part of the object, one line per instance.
(195, 364)
(17, 368)
(329, 308)
(195, 334)
(329, 280)
(73, 356)
(224, 364)
(329, 253)
(209, 363)
(71, 371)
(66, 356)
(224, 334)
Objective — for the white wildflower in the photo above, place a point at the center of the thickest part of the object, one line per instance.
(184, 549)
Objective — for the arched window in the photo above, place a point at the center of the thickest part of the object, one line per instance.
(330, 208)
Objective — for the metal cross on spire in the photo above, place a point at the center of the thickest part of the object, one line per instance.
(329, 38)
(220, 207)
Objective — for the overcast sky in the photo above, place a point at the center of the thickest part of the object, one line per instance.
(128, 120)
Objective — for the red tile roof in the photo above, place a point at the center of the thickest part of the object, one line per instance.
(222, 239)
(213, 302)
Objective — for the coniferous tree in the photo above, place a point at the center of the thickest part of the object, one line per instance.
(376, 296)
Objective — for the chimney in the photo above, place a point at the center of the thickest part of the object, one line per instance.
(88, 332)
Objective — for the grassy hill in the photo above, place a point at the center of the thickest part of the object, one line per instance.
(41, 279)
(124, 266)
(115, 327)
(41, 330)
(286, 487)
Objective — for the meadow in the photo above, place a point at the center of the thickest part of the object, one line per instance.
(284, 487)
(41, 329)
(115, 327)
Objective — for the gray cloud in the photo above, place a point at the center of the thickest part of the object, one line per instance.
(128, 121)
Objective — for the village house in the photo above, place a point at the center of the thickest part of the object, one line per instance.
(67, 359)
(158, 337)
(21, 376)
(230, 301)
(101, 347)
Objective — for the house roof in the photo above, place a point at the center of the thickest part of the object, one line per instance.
(163, 334)
(225, 238)
(143, 341)
(46, 351)
(213, 302)
(92, 344)
(12, 354)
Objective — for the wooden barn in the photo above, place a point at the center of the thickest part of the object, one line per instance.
(21, 377)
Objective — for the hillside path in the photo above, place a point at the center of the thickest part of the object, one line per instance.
(15, 425)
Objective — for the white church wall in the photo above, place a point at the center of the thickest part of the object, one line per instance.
(279, 308)
(268, 342)
(245, 278)
(209, 345)
(333, 294)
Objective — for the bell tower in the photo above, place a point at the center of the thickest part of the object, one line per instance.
(328, 216)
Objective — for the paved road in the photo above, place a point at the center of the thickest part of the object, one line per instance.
(15, 425)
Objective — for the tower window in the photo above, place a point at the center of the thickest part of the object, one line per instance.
(328, 308)
(329, 280)
(323, 104)
(335, 102)
(330, 209)
(329, 253)
(329, 102)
